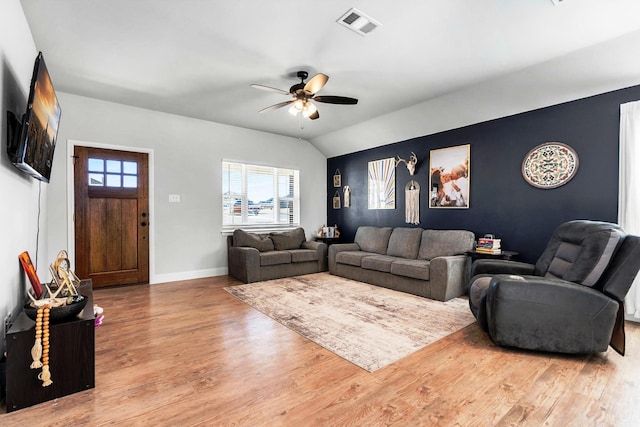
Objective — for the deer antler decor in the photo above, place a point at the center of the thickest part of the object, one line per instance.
(411, 164)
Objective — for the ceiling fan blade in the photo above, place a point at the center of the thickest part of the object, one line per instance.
(315, 115)
(276, 106)
(336, 100)
(270, 89)
(316, 83)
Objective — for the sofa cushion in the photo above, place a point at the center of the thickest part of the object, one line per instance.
(437, 243)
(303, 255)
(275, 258)
(580, 251)
(404, 242)
(251, 240)
(414, 268)
(373, 239)
(288, 240)
(378, 262)
(352, 257)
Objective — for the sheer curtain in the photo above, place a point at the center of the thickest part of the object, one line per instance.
(629, 191)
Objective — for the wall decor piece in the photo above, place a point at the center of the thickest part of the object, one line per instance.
(449, 177)
(412, 203)
(346, 194)
(382, 184)
(411, 164)
(337, 179)
(336, 200)
(550, 165)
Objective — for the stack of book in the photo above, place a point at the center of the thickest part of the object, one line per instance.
(488, 246)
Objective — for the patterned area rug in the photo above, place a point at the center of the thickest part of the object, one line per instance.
(367, 325)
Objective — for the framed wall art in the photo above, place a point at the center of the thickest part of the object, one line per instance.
(336, 200)
(337, 179)
(449, 177)
(382, 184)
(550, 165)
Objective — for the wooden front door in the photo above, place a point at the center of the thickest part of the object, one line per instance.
(111, 212)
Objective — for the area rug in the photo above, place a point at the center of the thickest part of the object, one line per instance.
(367, 325)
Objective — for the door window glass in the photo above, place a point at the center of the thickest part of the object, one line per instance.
(113, 173)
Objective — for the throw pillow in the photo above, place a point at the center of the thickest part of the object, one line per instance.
(288, 240)
(251, 240)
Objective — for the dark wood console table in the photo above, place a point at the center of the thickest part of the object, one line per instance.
(72, 357)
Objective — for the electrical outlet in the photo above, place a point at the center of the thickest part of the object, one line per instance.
(174, 198)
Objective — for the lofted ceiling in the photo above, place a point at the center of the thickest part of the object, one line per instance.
(197, 58)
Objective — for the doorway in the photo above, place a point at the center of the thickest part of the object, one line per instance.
(111, 215)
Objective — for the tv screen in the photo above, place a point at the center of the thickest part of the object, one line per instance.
(33, 150)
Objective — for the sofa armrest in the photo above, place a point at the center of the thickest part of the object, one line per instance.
(449, 276)
(339, 247)
(244, 263)
(321, 250)
(549, 314)
(500, 266)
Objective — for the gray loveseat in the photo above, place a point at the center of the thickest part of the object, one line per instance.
(255, 257)
(428, 263)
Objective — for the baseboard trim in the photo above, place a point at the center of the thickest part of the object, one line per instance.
(188, 275)
(631, 318)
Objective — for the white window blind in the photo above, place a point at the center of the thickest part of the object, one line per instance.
(260, 197)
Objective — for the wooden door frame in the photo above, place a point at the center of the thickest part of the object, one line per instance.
(71, 233)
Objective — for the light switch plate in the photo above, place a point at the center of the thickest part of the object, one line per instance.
(174, 198)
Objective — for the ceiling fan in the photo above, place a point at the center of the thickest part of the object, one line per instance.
(303, 93)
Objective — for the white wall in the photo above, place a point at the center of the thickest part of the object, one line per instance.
(19, 192)
(591, 71)
(187, 153)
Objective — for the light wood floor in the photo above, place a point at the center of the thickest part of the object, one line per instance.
(188, 353)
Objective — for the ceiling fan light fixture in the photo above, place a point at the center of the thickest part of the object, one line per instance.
(309, 109)
(296, 107)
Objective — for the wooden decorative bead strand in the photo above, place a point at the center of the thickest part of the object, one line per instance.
(45, 375)
(36, 350)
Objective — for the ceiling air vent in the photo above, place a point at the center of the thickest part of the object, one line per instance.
(358, 22)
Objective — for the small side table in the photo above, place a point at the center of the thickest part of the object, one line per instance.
(506, 255)
(328, 240)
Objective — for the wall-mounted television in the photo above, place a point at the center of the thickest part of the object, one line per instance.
(32, 139)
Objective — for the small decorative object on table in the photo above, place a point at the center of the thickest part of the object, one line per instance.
(328, 232)
(44, 308)
(63, 301)
(28, 267)
(488, 245)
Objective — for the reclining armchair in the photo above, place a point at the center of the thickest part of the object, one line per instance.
(570, 301)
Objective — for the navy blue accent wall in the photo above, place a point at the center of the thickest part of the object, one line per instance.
(501, 201)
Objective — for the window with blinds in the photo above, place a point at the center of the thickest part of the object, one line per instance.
(259, 196)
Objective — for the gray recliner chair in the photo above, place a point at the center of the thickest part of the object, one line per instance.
(570, 301)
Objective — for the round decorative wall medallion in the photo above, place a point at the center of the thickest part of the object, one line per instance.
(550, 165)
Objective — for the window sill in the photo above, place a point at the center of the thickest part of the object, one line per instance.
(262, 229)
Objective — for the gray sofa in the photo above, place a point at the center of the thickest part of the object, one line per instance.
(428, 263)
(255, 257)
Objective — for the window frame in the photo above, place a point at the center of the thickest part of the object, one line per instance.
(228, 200)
